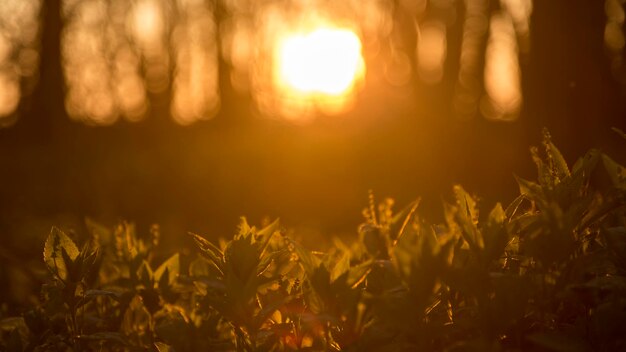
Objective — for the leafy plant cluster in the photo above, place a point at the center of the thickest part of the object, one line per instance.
(545, 273)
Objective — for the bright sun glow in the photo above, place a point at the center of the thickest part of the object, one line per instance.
(325, 61)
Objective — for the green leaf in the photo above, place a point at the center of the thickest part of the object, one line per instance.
(171, 266)
(145, 275)
(514, 206)
(243, 229)
(525, 223)
(466, 204)
(357, 273)
(619, 132)
(528, 188)
(374, 241)
(101, 293)
(10, 324)
(307, 259)
(269, 230)
(210, 252)
(199, 268)
(267, 310)
(172, 328)
(101, 234)
(242, 257)
(616, 172)
(559, 162)
(104, 336)
(342, 266)
(586, 164)
(267, 259)
(495, 234)
(89, 264)
(56, 244)
(161, 347)
(497, 215)
(320, 282)
(401, 220)
(467, 218)
(136, 320)
(72, 267)
(239, 297)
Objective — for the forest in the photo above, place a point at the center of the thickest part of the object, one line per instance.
(191, 175)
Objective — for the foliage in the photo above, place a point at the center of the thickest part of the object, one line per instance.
(547, 273)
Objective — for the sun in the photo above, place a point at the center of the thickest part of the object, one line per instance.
(325, 61)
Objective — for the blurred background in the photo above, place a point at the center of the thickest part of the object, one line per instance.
(191, 113)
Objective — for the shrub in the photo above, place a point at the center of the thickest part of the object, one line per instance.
(547, 273)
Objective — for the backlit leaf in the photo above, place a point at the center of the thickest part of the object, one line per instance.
(528, 188)
(616, 172)
(172, 265)
(559, 162)
(210, 252)
(307, 259)
(342, 266)
(57, 243)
